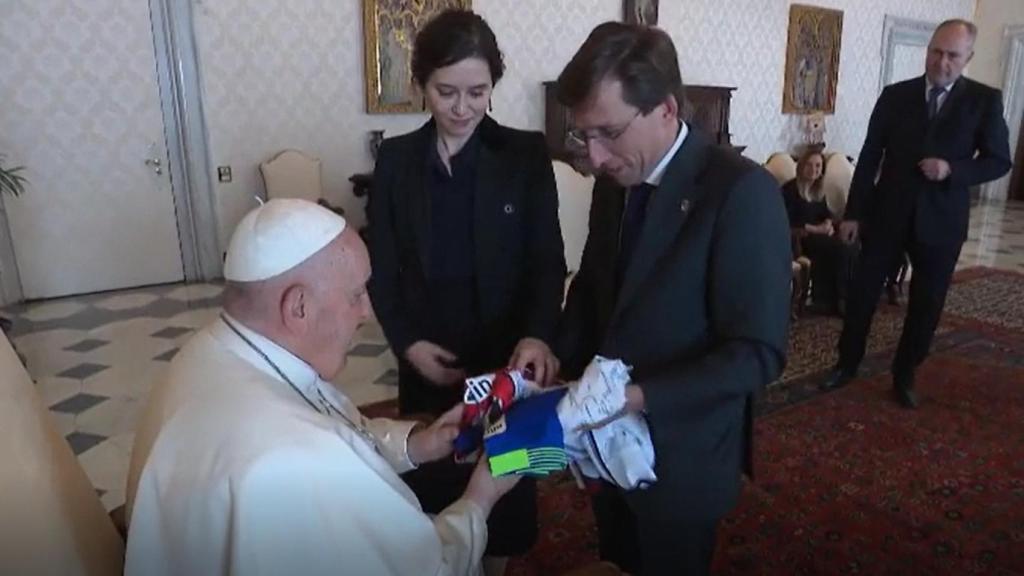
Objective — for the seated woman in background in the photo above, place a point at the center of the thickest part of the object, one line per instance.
(814, 235)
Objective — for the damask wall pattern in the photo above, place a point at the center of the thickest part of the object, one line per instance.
(289, 73)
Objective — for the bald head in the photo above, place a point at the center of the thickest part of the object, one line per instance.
(313, 308)
(949, 51)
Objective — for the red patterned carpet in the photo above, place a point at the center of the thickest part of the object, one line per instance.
(849, 483)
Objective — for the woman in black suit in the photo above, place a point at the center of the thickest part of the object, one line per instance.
(466, 250)
(814, 235)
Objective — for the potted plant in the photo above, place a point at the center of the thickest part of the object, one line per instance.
(13, 183)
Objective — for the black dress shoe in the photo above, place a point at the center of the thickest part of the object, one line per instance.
(906, 397)
(836, 379)
(903, 388)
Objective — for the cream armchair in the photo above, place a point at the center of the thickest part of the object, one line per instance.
(294, 174)
(836, 183)
(51, 520)
(782, 166)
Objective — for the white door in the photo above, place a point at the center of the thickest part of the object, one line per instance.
(80, 109)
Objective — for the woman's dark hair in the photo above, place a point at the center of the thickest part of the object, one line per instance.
(642, 58)
(451, 37)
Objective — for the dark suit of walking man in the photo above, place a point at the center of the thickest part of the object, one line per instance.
(685, 277)
(932, 137)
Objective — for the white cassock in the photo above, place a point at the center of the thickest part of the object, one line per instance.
(233, 472)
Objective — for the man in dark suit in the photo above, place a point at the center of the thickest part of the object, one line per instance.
(685, 277)
(929, 139)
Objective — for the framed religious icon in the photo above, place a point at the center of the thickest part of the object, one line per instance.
(812, 60)
(389, 28)
(640, 12)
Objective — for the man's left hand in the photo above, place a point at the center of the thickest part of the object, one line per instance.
(534, 352)
(435, 441)
(634, 399)
(934, 169)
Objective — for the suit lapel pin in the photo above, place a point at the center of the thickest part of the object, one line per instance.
(684, 206)
(509, 209)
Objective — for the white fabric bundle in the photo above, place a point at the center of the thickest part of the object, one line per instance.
(619, 451)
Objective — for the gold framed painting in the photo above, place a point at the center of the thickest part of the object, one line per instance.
(812, 60)
(389, 27)
(640, 12)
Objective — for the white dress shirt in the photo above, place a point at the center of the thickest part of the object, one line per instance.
(654, 178)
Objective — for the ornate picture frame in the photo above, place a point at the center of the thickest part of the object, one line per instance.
(643, 12)
(812, 60)
(389, 27)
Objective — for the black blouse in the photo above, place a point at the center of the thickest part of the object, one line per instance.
(451, 279)
(801, 211)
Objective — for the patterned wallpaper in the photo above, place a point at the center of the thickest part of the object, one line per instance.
(281, 74)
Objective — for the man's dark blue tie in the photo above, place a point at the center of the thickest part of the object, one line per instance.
(933, 101)
(632, 222)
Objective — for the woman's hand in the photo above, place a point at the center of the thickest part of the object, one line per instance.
(535, 353)
(825, 228)
(434, 363)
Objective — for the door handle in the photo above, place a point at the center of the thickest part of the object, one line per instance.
(155, 163)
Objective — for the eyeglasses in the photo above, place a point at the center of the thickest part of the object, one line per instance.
(603, 134)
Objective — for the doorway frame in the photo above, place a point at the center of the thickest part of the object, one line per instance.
(1012, 62)
(899, 31)
(186, 137)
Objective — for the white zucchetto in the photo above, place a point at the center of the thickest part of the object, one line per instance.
(277, 237)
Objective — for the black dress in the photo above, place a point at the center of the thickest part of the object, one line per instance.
(472, 261)
(830, 257)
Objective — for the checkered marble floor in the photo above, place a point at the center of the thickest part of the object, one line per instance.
(94, 358)
(995, 237)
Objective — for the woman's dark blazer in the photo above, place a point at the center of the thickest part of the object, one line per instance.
(520, 262)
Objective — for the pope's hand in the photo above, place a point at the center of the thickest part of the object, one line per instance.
(434, 363)
(435, 441)
(484, 489)
(535, 353)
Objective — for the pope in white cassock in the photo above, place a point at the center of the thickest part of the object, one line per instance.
(247, 461)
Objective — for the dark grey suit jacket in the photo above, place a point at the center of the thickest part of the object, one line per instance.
(702, 317)
(969, 132)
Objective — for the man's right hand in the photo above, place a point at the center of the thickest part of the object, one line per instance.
(433, 363)
(849, 231)
(484, 489)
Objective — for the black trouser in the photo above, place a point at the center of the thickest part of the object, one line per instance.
(667, 545)
(830, 267)
(933, 267)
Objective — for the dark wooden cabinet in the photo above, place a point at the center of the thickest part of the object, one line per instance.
(706, 107)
